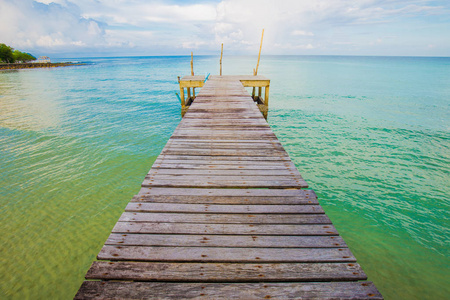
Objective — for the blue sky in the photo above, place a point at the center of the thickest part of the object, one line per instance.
(80, 28)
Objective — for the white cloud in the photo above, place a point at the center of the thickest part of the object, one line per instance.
(302, 33)
(289, 46)
(139, 13)
(34, 25)
(158, 27)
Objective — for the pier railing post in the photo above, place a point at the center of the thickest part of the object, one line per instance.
(183, 103)
(266, 102)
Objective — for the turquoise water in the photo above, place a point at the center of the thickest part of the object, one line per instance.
(371, 135)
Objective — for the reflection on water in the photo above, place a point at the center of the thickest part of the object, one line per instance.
(29, 100)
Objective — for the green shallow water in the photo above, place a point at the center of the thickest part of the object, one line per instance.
(370, 135)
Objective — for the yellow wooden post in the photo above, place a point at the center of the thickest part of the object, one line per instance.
(183, 104)
(253, 91)
(255, 71)
(259, 54)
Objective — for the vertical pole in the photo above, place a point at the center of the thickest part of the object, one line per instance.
(188, 94)
(183, 104)
(253, 91)
(255, 71)
(259, 55)
(192, 64)
(221, 53)
(266, 102)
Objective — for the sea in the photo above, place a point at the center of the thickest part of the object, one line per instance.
(371, 136)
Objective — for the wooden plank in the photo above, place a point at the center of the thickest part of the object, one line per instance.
(237, 140)
(225, 200)
(256, 131)
(202, 165)
(228, 126)
(218, 116)
(225, 254)
(225, 218)
(225, 145)
(208, 171)
(230, 192)
(225, 272)
(228, 152)
(262, 290)
(242, 229)
(225, 160)
(229, 159)
(226, 136)
(230, 136)
(253, 241)
(226, 178)
(180, 143)
(216, 123)
(192, 182)
(222, 208)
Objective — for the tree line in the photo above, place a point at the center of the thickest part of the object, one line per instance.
(9, 55)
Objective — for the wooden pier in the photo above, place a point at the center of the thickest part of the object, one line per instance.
(223, 214)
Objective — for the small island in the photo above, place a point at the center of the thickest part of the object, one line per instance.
(15, 59)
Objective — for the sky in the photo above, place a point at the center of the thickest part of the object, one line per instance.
(92, 28)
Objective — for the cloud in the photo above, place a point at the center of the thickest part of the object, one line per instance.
(47, 27)
(302, 33)
(146, 27)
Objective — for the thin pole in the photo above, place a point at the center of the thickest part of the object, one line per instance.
(192, 64)
(259, 55)
(221, 54)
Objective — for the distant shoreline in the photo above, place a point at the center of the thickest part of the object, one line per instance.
(16, 66)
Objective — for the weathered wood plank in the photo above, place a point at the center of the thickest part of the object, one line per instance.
(219, 160)
(209, 171)
(216, 131)
(225, 254)
(221, 152)
(226, 159)
(230, 192)
(225, 200)
(242, 229)
(217, 165)
(225, 272)
(218, 116)
(181, 144)
(225, 178)
(192, 182)
(227, 136)
(223, 208)
(167, 290)
(257, 241)
(237, 140)
(225, 218)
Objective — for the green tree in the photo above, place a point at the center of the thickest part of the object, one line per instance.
(6, 53)
(22, 57)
